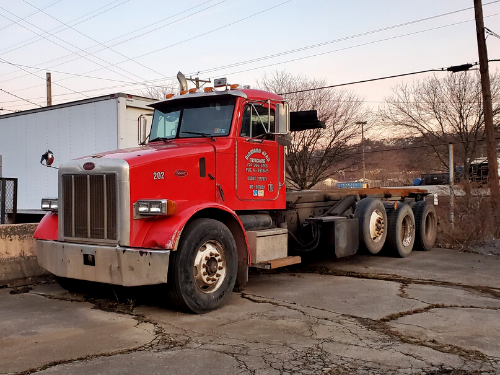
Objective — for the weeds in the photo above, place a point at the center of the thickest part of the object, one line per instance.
(475, 220)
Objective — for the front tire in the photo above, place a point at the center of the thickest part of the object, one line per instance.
(203, 270)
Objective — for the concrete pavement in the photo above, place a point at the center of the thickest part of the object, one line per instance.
(365, 315)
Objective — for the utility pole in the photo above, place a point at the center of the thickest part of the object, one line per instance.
(49, 89)
(491, 145)
(363, 123)
(197, 81)
(451, 171)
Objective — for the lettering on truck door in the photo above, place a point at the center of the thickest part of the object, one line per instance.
(257, 155)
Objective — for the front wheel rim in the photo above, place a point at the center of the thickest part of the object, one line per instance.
(209, 267)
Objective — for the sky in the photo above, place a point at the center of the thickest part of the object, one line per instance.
(98, 47)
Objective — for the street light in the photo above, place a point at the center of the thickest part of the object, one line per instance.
(363, 123)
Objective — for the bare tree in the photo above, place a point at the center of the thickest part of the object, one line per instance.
(316, 154)
(160, 90)
(441, 111)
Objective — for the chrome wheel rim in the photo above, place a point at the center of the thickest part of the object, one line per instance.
(377, 225)
(407, 231)
(209, 267)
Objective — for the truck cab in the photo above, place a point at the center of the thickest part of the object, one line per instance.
(120, 216)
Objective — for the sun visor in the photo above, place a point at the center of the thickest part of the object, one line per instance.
(305, 120)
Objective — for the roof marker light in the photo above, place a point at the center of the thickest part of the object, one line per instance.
(183, 92)
(208, 89)
(234, 87)
(193, 90)
(168, 96)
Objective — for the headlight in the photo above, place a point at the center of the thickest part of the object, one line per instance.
(49, 204)
(146, 207)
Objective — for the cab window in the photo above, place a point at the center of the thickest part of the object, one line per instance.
(255, 121)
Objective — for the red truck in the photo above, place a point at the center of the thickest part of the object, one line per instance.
(206, 198)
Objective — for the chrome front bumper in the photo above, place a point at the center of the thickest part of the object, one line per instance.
(105, 264)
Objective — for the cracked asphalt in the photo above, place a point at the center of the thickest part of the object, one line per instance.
(431, 313)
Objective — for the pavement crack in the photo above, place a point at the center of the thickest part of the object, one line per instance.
(260, 299)
(492, 292)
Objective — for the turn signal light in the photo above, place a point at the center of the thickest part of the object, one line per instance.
(168, 96)
(183, 92)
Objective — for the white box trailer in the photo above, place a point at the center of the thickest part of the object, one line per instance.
(69, 130)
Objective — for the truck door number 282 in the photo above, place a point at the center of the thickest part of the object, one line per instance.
(158, 175)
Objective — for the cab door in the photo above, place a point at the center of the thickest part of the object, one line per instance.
(257, 155)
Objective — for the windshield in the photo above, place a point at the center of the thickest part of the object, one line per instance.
(193, 118)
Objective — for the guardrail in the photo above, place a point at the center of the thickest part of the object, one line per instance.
(8, 200)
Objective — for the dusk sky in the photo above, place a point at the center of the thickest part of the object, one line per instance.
(97, 47)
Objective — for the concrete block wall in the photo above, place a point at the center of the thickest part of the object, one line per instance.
(18, 263)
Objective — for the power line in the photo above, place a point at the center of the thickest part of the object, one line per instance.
(29, 15)
(357, 45)
(489, 32)
(343, 84)
(55, 83)
(241, 63)
(306, 47)
(312, 46)
(68, 73)
(146, 82)
(26, 100)
(402, 148)
(94, 40)
(315, 55)
(92, 53)
(35, 39)
(62, 46)
(189, 39)
(364, 81)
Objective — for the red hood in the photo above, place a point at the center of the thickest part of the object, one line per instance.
(158, 151)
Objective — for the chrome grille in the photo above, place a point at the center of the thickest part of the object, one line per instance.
(89, 206)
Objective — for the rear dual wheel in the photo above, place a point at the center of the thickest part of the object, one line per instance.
(426, 225)
(372, 220)
(400, 229)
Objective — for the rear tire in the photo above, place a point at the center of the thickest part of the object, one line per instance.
(425, 225)
(372, 220)
(401, 230)
(203, 270)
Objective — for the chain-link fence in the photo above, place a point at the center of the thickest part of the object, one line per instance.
(8, 200)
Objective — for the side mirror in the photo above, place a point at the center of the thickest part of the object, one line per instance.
(142, 125)
(282, 118)
(48, 157)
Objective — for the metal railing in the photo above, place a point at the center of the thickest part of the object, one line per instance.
(8, 200)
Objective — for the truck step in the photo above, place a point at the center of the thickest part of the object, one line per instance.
(277, 263)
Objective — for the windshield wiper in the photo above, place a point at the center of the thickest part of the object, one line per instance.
(165, 140)
(202, 134)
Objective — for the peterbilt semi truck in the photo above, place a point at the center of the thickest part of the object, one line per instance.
(204, 197)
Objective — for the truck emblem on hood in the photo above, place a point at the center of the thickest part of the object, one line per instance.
(88, 166)
(181, 173)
